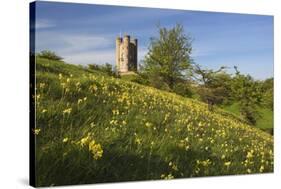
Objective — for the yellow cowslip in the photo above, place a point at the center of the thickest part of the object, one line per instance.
(169, 176)
(60, 76)
(95, 149)
(84, 141)
(79, 101)
(36, 131)
(227, 163)
(65, 140)
(42, 85)
(261, 168)
(138, 140)
(67, 111)
(148, 124)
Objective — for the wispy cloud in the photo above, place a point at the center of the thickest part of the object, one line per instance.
(44, 23)
(81, 48)
(68, 42)
(90, 57)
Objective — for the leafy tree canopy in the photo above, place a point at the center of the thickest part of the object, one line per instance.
(169, 55)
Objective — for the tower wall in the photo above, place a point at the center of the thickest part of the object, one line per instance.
(126, 54)
(132, 57)
(135, 62)
(125, 51)
(117, 52)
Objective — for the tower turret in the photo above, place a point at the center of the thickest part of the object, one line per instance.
(126, 54)
(117, 56)
(135, 58)
(126, 51)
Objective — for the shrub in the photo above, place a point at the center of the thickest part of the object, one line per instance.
(183, 89)
(105, 68)
(49, 55)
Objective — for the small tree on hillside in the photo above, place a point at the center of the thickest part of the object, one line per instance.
(267, 90)
(248, 93)
(213, 85)
(168, 58)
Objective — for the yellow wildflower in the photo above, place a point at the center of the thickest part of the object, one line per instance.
(148, 124)
(84, 141)
(67, 111)
(41, 85)
(79, 101)
(95, 149)
(36, 131)
(65, 140)
(169, 176)
(261, 168)
(138, 140)
(250, 154)
(227, 163)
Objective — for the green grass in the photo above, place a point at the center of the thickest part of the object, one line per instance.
(92, 128)
(266, 115)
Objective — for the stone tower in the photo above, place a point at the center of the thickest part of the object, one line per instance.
(126, 54)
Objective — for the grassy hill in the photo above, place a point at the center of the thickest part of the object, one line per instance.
(93, 128)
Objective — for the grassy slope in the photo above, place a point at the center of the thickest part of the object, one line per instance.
(94, 128)
(264, 122)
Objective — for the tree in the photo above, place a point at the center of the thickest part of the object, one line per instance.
(213, 85)
(248, 93)
(168, 58)
(267, 91)
(49, 55)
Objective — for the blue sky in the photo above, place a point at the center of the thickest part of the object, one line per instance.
(85, 34)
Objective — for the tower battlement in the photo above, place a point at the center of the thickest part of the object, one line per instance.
(126, 54)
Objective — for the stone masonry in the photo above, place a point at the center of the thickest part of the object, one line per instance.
(126, 54)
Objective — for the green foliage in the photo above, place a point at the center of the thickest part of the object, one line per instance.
(267, 91)
(137, 78)
(49, 55)
(248, 93)
(184, 89)
(168, 58)
(92, 128)
(213, 86)
(106, 68)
